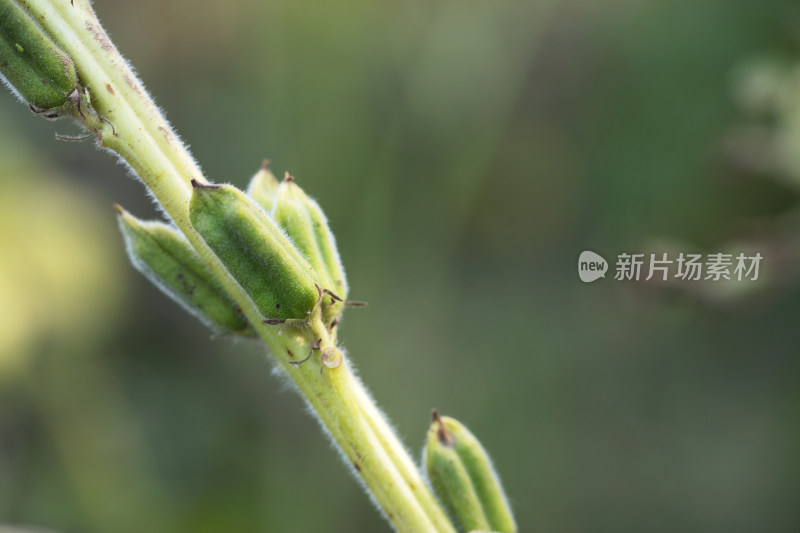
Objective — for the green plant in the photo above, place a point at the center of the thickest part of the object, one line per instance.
(260, 264)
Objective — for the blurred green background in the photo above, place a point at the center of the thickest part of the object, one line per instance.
(466, 152)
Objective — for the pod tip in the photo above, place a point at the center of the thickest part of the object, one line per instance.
(198, 185)
(442, 434)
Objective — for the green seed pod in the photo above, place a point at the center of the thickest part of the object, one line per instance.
(462, 477)
(39, 72)
(167, 259)
(263, 188)
(305, 223)
(255, 251)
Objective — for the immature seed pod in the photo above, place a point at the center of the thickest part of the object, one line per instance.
(30, 63)
(279, 281)
(263, 188)
(305, 223)
(167, 259)
(463, 479)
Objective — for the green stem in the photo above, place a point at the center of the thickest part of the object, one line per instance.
(139, 134)
(332, 397)
(398, 454)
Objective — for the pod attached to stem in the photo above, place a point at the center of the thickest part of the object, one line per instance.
(31, 64)
(256, 253)
(166, 258)
(306, 225)
(463, 479)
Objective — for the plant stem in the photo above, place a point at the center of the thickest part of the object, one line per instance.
(133, 127)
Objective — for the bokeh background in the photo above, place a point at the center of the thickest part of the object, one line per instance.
(466, 152)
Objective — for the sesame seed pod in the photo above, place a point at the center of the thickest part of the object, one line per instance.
(258, 255)
(327, 245)
(306, 225)
(167, 259)
(37, 70)
(263, 188)
(464, 480)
